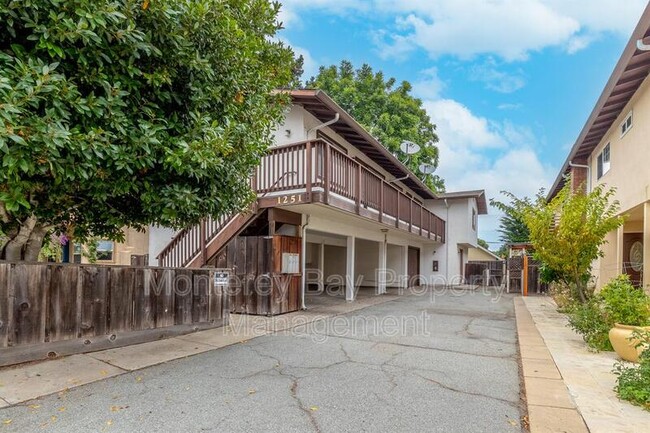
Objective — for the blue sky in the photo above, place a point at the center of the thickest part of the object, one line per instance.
(509, 83)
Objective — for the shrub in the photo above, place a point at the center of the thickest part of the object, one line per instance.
(588, 320)
(624, 303)
(633, 381)
(618, 302)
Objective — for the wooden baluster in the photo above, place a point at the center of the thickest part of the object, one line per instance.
(308, 168)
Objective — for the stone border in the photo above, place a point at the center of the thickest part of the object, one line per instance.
(550, 407)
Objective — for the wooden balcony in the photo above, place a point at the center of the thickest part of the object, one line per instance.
(302, 173)
(319, 172)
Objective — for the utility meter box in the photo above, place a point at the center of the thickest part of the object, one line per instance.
(290, 263)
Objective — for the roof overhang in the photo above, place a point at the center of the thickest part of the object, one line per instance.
(630, 71)
(321, 106)
(478, 194)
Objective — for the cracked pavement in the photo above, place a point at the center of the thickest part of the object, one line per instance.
(443, 363)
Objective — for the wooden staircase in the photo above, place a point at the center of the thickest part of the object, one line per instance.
(194, 246)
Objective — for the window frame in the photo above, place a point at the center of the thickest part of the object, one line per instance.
(603, 166)
(624, 124)
(112, 251)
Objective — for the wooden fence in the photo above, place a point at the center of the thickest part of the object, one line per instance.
(50, 309)
(485, 273)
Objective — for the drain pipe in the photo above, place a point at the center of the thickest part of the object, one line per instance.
(303, 262)
(323, 125)
(571, 164)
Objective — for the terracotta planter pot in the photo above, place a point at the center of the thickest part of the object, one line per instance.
(625, 346)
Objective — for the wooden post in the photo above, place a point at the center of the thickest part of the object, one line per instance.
(381, 202)
(326, 168)
(524, 276)
(308, 170)
(202, 240)
(358, 195)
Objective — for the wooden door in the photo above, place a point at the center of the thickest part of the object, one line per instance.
(633, 257)
(413, 266)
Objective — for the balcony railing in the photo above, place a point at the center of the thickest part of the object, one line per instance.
(326, 174)
(314, 172)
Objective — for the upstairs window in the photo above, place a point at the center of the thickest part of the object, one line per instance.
(604, 161)
(474, 219)
(627, 124)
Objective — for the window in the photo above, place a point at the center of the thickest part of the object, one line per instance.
(105, 250)
(626, 125)
(474, 219)
(604, 161)
(76, 253)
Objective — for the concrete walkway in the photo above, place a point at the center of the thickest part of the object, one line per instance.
(587, 375)
(409, 363)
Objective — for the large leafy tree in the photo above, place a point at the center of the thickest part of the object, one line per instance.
(568, 232)
(124, 112)
(387, 110)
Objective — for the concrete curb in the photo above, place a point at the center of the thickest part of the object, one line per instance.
(550, 407)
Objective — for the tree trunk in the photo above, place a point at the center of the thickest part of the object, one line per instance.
(35, 243)
(14, 248)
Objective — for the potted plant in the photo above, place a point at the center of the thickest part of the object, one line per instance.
(627, 309)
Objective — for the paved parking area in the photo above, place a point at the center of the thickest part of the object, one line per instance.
(416, 363)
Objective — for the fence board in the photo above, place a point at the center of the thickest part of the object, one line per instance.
(5, 307)
(121, 299)
(183, 301)
(95, 283)
(62, 321)
(143, 302)
(29, 304)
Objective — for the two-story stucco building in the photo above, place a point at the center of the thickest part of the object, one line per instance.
(613, 150)
(336, 211)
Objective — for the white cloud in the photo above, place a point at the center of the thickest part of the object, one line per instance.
(495, 79)
(476, 153)
(509, 29)
(429, 85)
(457, 124)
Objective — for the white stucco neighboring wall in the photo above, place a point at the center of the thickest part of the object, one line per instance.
(159, 238)
(461, 235)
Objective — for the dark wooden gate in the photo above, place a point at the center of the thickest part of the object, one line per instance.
(485, 273)
(259, 285)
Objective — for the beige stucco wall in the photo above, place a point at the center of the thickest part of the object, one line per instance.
(630, 154)
(135, 242)
(629, 173)
(476, 254)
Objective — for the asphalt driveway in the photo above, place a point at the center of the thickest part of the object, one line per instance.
(443, 363)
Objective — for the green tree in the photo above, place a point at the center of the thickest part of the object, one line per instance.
(483, 244)
(512, 228)
(389, 112)
(568, 231)
(124, 112)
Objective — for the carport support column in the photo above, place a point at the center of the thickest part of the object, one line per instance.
(405, 258)
(381, 270)
(350, 293)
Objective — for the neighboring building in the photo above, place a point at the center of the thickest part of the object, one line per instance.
(613, 150)
(461, 211)
(329, 189)
(480, 254)
(135, 247)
